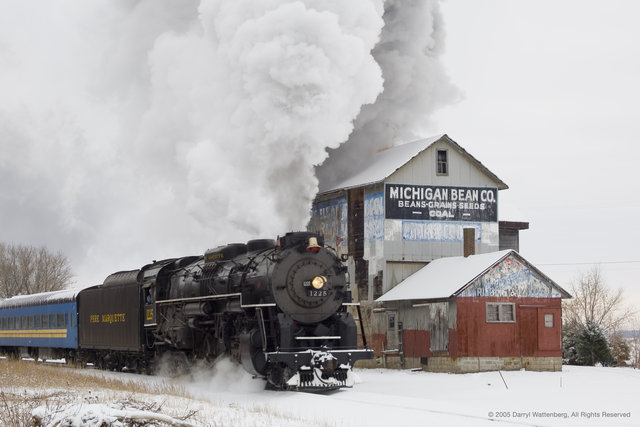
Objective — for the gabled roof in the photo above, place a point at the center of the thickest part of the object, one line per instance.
(386, 162)
(476, 275)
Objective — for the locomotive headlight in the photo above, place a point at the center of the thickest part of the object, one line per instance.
(318, 282)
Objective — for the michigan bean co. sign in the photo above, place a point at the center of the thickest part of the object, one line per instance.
(433, 203)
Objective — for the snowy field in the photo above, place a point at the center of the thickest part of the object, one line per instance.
(229, 396)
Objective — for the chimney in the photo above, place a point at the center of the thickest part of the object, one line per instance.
(469, 241)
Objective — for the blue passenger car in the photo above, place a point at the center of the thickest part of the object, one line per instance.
(40, 324)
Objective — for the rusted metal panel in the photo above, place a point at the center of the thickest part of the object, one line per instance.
(416, 343)
(378, 343)
(527, 335)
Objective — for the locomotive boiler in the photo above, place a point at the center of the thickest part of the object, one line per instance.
(277, 307)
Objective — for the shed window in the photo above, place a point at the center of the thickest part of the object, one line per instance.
(548, 320)
(501, 313)
(442, 163)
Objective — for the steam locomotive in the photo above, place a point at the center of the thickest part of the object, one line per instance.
(278, 308)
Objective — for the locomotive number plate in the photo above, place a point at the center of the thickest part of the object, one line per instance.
(317, 293)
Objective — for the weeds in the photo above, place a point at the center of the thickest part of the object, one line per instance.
(38, 394)
(29, 374)
(22, 403)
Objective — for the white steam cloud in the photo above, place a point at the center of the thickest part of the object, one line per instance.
(131, 130)
(415, 85)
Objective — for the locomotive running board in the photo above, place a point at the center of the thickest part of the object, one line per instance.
(196, 299)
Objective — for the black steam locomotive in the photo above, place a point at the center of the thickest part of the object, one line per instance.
(278, 308)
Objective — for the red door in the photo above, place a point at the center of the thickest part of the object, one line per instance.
(527, 321)
(549, 329)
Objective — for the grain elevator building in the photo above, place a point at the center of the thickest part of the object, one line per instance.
(408, 207)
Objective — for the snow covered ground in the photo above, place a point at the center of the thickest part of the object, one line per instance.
(229, 396)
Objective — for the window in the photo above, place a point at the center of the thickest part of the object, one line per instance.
(38, 317)
(31, 322)
(501, 313)
(60, 320)
(548, 320)
(52, 321)
(45, 321)
(442, 164)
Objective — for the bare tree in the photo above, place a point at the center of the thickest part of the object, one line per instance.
(634, 344)
(594, 302)
(29, 270)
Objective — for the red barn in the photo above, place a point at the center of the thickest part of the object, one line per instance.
(468, 314)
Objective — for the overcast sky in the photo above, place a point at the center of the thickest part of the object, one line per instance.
(552, 107)
(132, 131)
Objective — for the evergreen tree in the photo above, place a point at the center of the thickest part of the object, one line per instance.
(570, 334)
(592, 346)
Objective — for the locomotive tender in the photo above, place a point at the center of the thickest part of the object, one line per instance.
(278, 308)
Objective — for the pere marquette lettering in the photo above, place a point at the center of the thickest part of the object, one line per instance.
(107, 318)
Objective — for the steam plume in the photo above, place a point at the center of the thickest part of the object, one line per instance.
(131, 130)
(415, 85)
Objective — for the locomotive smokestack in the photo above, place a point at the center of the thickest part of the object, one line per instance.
(469, 241)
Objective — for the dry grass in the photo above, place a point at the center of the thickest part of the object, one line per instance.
(16, 374)
(26, 385)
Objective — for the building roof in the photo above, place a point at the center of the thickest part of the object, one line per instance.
(386, 162)
(476, 275)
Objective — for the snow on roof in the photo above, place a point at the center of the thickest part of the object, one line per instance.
(456, 276)
(443, 277)
(65, 295)
(386, 162)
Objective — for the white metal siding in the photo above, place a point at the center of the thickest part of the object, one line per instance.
(421, 170)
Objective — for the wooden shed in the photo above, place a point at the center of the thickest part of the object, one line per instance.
(469, 314)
